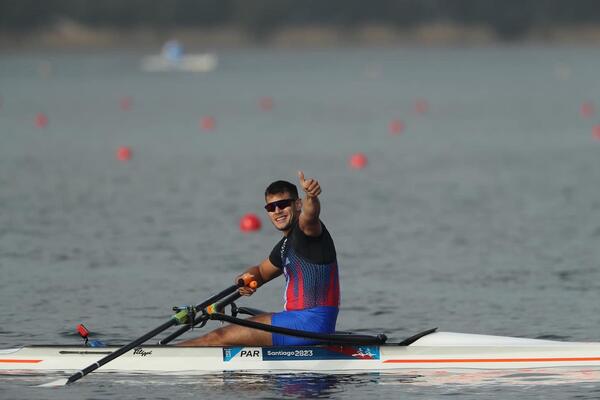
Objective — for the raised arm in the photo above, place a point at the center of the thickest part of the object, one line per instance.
(309, 221)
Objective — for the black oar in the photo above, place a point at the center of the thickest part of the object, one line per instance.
(218, 307)
(178, 318)
(321, 337)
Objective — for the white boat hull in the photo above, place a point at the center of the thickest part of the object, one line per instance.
(437, 351)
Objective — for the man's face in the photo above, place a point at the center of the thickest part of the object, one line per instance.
(284, 213)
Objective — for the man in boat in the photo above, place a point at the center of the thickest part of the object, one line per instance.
(306, 256)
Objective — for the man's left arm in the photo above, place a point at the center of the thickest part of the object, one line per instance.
(309, 221)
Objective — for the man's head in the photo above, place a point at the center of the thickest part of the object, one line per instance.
(283, 205)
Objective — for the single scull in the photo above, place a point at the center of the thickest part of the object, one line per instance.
(428, 350)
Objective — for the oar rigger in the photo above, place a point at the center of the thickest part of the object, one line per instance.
(186, 315)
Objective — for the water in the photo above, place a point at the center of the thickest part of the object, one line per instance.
(481, 217)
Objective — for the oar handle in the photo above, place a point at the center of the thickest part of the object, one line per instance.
(247, 280)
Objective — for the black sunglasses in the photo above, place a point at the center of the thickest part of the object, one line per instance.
(279, 203)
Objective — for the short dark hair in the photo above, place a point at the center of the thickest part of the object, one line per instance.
(282, 187)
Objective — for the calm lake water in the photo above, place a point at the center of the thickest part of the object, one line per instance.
(481, 217)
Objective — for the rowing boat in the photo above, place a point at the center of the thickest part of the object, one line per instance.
(339, 352)
(429, 350)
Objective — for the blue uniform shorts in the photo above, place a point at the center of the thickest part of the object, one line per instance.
(318, 319)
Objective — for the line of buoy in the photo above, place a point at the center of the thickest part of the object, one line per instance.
(421, 106)
(208, 123)
(124, 153)
(250, 223)
(586, 110)
(596, 132)
(126, 103)
(396, 127)
(265, 103)
(41, 120)
(358, 161)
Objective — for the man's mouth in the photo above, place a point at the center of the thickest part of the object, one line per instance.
(280, 218)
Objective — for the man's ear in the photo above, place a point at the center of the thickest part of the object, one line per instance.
(298, 204)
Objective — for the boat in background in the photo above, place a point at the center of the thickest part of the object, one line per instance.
(428, 350)
(173, 58)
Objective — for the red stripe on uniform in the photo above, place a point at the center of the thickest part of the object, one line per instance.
(300, 300)
(333, 290)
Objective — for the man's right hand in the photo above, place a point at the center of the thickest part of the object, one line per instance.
(246, 290)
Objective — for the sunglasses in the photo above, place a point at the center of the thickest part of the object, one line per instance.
(281, 204)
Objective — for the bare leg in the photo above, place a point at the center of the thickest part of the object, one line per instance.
(235, 335)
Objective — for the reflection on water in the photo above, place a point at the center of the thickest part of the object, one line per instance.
(313, 385)
(549, 376)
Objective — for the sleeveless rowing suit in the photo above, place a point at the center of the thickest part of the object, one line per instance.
(312, 292)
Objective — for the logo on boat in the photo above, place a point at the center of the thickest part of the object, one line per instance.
(282, 353)
(138, 351)
(250, 353)
(365, 352)
(241, 352)
(321, 353)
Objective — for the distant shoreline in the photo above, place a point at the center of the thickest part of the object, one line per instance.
(69, 35)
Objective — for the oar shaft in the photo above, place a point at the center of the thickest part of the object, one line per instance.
(150, 335)
(219, 296)
(120, 351)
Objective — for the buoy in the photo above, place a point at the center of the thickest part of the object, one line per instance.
(266, 103)
(421, 106)
(596, 132)
(587, 109)
(250, 223)
(396, 127)
(124, 153)
(126, 103)
(358, 161)
(207, 123)
(41, 120)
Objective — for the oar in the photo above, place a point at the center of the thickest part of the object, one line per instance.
(321, 337)
(178, 318)
(217, 307)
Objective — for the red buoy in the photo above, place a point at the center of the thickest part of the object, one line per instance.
(250, 223)
(124, 153)
(41, 120)
(208, 123)
(421, 106)
(266, 103)
(126, 103)
(357, 161)
(596, 132)
(396, 127)
(587, 109)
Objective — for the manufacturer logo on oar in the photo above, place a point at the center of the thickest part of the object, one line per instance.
(138, 351)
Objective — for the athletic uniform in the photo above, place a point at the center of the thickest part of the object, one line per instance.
(312, 294)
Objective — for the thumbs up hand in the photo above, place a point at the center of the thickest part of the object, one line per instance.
(310, 186)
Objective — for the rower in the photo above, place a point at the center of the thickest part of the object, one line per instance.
(306, 256)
